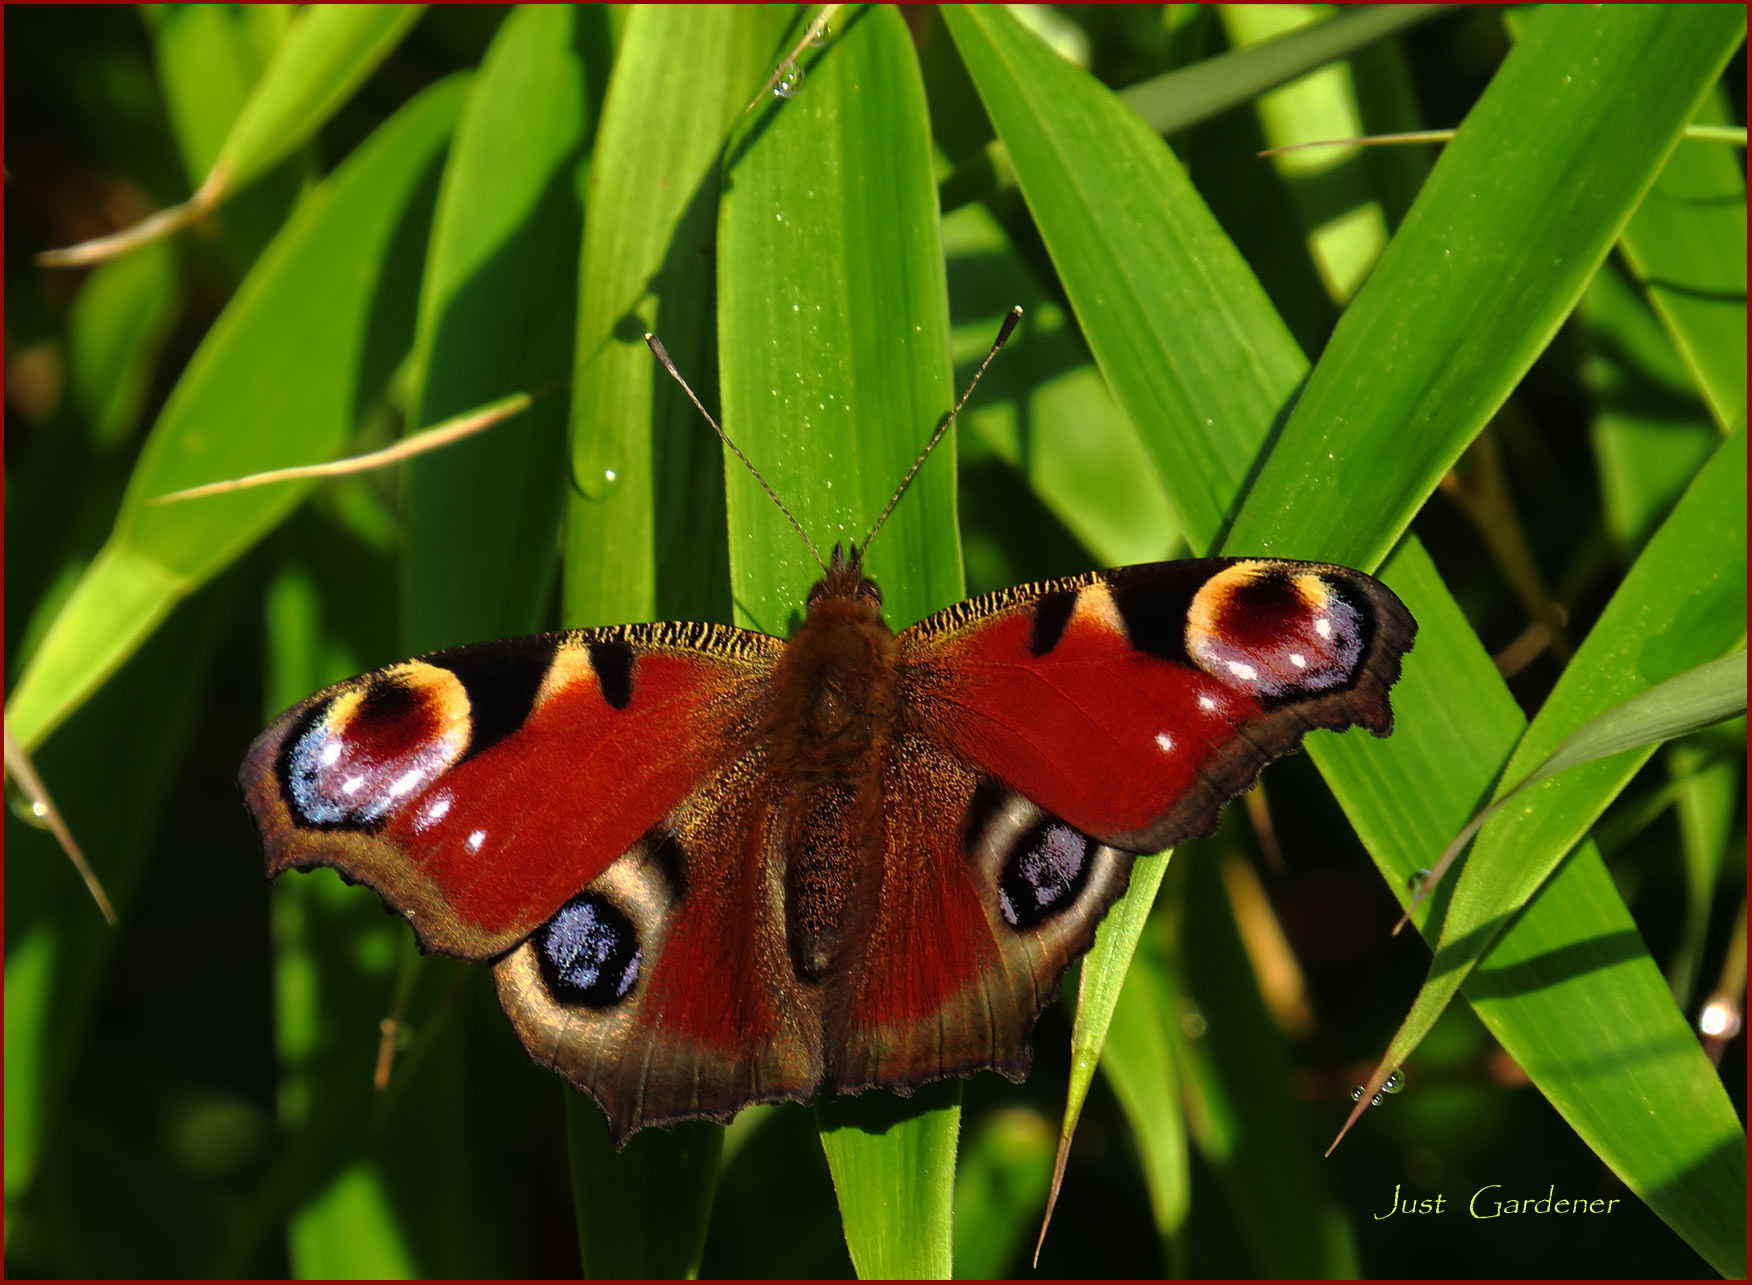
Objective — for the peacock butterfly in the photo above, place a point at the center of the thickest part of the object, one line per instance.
(714, 868)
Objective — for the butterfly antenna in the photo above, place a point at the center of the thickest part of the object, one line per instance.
(1004, 332)
(656, 346)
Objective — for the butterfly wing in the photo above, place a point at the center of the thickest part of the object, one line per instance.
(477, 789)
(957, 965)
(1054, 730)
(591, 808)
(1134, 703)
(665, 989)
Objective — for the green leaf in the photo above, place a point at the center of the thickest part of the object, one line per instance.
(326, 53)
(1000, 1186)
(1687, 243)
(1687, 703)
(278, 380)
(119, 326)
(1044, 410)
(209, 58)
(1191, 348)
(483, 517)
(834, 333)
(1346, 227)
(642, 1210)
(648, 542)
(1475, 283)
(1180, 329)
(111, 775)
(1138, 1060)
(1318, 494)
(1683, 601)
(1650, 430)
(1177, 99)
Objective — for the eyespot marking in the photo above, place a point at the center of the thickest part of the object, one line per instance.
(1044, 874)
(349, 762)
(501, 681)
(589, 953)
(1277, 633)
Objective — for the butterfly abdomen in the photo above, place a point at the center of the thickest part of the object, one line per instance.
(830, 724)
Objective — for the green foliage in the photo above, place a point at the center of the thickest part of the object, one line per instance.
(1545, 323)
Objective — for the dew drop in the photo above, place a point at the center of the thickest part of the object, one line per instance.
(1394, 1083)
(790, 82)
(1415, 881)
(33, 812)
(820, 38)
(598, 481)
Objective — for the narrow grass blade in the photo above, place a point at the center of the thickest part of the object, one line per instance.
(1203, 368)
(1687, 244)
(279, 379)
(1187, 95)
(1345, 226)
(1138, 1060)
(1677, 707)
(645, 529)
(833, 320)
(482, 519)
(1474, 285)
(1412, 793)
(1684, 600)
(322, 58)
(1100, 981)
(20, 770)
(121, 321)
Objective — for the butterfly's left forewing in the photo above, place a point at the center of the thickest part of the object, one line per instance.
(477, 789)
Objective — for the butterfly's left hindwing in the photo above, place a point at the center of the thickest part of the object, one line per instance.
(476, 790)
(664, 989)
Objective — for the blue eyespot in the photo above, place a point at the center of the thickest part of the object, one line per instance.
(589, 953)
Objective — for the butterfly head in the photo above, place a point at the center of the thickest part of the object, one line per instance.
(844, 578)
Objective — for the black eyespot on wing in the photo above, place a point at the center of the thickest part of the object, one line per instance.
(1044, 873)
(589, 953)
(1051, 614)
(613, 663)
(502, 680)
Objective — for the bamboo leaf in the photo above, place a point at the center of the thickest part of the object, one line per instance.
(277, 381)
(833, 321)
